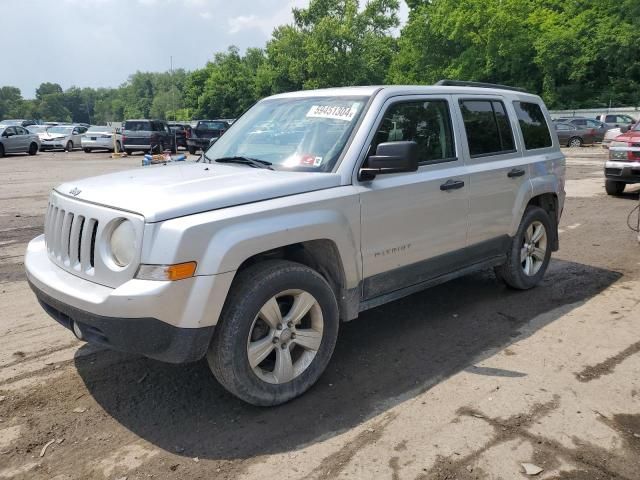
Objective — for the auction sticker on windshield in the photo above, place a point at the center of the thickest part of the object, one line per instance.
(333, 112)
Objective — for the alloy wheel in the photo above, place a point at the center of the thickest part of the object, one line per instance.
(285, 336)
(534, 248)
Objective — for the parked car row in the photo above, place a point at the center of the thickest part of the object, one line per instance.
(579, 131)
(136, 135)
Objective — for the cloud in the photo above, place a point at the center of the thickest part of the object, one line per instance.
(265, 23)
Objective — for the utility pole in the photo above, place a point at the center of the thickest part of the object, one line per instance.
(173, 93)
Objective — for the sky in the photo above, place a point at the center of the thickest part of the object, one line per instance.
(99, 43)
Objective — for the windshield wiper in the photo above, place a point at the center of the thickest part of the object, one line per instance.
(253, 162)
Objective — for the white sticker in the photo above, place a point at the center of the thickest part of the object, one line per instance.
(333, 112)
(317, 161)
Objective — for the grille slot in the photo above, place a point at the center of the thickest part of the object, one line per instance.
(70, 239)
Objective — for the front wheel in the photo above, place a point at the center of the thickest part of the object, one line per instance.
(530, 251)
(87, 150)
(192, 150)
(69, 146)
(33, 149)
(613, 187)
(1, 150)
(276, 334)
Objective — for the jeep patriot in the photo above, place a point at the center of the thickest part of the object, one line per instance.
(313, 206)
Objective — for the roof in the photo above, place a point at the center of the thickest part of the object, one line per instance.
(401, 90)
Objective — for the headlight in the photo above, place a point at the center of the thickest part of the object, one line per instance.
(123, 243)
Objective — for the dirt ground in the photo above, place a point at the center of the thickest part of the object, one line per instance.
(467, 380)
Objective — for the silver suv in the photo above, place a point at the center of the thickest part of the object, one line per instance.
(314, 206)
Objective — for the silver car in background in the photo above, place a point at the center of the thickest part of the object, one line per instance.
(17, 139)
(101, 137)
(62, 137)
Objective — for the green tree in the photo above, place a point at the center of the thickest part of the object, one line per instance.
(11, 103)
(333, 43)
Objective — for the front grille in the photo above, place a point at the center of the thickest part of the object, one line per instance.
(613, 171)
(70, 238)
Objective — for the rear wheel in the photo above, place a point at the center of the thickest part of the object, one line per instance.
(613, 187)
(33, 148)
(575, 142)
(69, 146)
(87, 150)
(530, 251)
(129, 152)
(276, 333)
(192, 150)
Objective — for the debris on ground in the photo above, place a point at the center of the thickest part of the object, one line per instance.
(47, 445)
(531, 469)
(79, 410)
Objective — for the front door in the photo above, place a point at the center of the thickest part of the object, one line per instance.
(12, 141)
(414, 225)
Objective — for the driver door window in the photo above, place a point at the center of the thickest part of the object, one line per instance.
(428, 123)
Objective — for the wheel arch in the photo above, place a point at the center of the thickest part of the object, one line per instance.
(323, 256)
(549, 202)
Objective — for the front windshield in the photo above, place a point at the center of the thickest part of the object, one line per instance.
(98, 128)
(63, 130)
(37, 129)
(304, 134)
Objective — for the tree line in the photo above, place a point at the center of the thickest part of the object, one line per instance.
(574, 53)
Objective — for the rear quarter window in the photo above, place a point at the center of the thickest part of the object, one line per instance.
(533, 125)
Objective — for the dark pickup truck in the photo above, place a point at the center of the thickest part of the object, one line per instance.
(143, 135)
(205, 131)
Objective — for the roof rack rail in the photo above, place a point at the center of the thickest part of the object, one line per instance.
(462, 83)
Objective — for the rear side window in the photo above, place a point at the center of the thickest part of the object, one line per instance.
(211, 126)
(428, 123)
(533, 125)
(137, 126)
(487, 126)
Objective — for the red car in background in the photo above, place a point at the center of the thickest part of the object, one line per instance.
(623, 166)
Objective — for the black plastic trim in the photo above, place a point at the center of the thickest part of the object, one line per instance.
(150, 337)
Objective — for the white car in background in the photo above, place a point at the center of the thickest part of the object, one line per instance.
(62, 137)
(100, 137)
(610, 136)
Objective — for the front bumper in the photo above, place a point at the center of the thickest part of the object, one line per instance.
(627, 172)
(145, 336)
(169, 321)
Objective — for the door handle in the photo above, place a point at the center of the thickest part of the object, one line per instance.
(451, 185)
(516, 172)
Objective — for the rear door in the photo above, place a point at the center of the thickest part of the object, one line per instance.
(413, 228)
(499, 175)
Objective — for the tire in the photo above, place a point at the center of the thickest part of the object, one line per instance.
(575, 142)
(87, 150)
(613, 187)
(192, 150)
(526, 265)
(118, 146)
(241, 323)
(33, 149)
(1, 150)
(129, 152)
(69, 146)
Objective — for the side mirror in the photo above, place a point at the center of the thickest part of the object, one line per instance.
(391, 157)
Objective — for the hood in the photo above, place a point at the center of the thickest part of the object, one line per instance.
(161, 192)
(630, 136)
